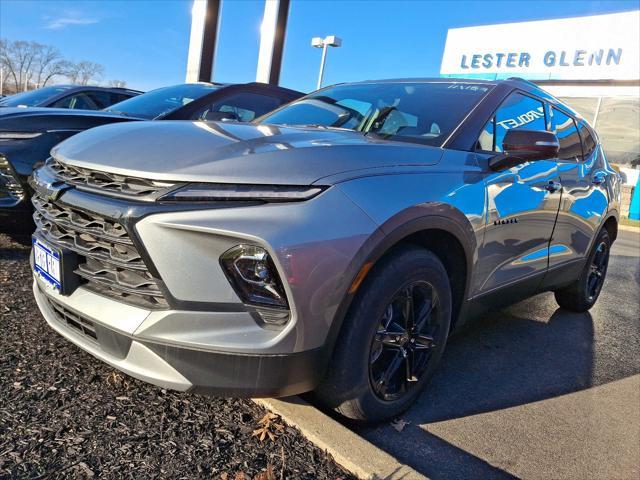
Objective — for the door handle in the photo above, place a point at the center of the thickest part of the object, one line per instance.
(599, 178)
(553, 186)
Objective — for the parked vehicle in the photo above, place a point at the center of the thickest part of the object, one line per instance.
(331, 245)
(79, 97)
(28, 134)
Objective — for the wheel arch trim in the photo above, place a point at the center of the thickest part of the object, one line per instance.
(415, 219)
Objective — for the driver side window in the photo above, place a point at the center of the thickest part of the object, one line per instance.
(518, 111)
(242, 107)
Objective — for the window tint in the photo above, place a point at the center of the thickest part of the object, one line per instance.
(119, 97)
(34, 97)
(243, 107)
(516, 112)
(588, 142)
(101, 99)
(421, 112)
(487, 136)
(162, 101)
(565, 129)
(79, 101)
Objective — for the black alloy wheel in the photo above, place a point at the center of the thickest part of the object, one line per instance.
(597, 270)
(582, 293)
(406, 336)
(392, 338)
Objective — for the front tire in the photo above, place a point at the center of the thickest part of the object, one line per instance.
(392, 338)
(582, 294)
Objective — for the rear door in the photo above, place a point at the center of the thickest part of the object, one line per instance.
(584, 196)
(522, 202)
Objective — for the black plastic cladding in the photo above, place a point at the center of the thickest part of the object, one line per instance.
(128, 213)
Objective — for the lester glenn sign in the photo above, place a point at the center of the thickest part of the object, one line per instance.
(583, 48)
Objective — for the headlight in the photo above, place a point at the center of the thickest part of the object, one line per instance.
(209, 192)
(9, 185)
(254, 277)
(19, 135)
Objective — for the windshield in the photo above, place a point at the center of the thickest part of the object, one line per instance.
(159, 102)
(424, 112)
(34, 97)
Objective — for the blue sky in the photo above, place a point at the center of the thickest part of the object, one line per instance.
(145, 42)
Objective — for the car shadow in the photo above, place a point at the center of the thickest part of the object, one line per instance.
(525, 353)
(507, 359)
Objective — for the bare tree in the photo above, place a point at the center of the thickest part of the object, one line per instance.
(18, 59)
(31, 64)
(49, 63)
(84, 71)
(117, 83)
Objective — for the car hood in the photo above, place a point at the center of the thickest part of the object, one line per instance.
(185, 151)
(6, 112)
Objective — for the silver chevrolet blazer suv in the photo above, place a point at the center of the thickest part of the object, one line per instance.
(331, 246)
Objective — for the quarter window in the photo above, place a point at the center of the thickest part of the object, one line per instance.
(588, 142)
(516, 112)
(565, 129)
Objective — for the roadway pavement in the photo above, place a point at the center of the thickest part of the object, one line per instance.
(533, 391)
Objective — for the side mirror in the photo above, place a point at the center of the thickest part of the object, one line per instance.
(521, 146)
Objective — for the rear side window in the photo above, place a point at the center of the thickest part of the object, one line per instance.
(79, 101)
(100, 98)
(243, 107)
(588, 142)
(518, 111)
(565, 129)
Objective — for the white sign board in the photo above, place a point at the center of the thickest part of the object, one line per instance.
(583, 48)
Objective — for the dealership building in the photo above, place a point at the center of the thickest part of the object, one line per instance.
(591, 63)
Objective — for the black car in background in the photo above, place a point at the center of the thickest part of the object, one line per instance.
(77, 97)
(28, 134)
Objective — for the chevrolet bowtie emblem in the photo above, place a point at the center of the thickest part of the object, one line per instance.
(48, 188)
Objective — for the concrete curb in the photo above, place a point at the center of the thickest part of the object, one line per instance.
(348, 449)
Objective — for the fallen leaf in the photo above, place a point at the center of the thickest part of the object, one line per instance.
(399, 424)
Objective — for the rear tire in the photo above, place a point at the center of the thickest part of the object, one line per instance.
(582, 294)
(392, 338)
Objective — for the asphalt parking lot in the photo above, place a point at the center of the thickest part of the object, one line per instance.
(536, 392)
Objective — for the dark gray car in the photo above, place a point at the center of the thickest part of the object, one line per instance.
(332, 245)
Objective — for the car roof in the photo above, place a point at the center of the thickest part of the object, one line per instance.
(77, 88)
(430, 80)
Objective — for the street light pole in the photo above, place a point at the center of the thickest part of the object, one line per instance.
(324, 43)
(321, 73)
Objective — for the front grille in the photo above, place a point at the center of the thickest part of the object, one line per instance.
(109, 183)
(71, 319)
(108, 261)
(9, 185)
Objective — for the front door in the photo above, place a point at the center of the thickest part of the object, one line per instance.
(522, 202)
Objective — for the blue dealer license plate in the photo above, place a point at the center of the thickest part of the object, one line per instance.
(48, 263)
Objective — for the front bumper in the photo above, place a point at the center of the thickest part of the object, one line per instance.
(172, 365)
(203, 338)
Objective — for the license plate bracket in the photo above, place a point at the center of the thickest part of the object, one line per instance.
(55, 266)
